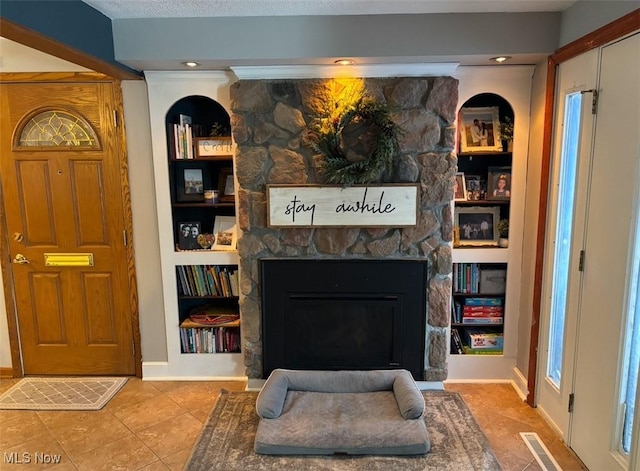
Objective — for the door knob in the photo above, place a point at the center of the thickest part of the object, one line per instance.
(21, 259)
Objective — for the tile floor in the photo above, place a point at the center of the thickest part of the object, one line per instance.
(152, 425)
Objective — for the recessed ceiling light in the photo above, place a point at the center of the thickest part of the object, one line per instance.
(500, 58)
(191, 63)
(344, 62)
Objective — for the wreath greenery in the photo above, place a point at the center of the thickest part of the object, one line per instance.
(336, 167)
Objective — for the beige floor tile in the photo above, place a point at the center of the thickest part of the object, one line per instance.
(172, 436)
(128, 453)
(133, 392)
(165, 386)
(156, 466)
(42, 453)
(176, 461)
(149, 412)
(18, 427)
(194, 397)
(94, 431)
(202, 414)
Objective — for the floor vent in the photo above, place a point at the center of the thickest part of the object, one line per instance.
(540, 452)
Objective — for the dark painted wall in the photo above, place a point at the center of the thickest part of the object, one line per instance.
(71, 22)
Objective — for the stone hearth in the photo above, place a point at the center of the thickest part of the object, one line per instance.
(269, 119)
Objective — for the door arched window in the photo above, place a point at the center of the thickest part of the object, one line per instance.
(57, 128)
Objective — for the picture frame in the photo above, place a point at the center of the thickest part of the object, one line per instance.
(499, 183)
(225, 233)
(478, 225)
(480, 129)
(226, 185)
(190, 184)
(476, 187)
(219, 146)
(459, 187)
(188, 233)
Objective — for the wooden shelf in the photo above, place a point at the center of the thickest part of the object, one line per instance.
(188, 324)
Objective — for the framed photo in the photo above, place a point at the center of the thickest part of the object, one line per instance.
(226, 185)
(478, 225)
(190, 184)
(480, 129)
(225, 233)
(499, 183)
(476, 187)
(188, 233)
(460, 188)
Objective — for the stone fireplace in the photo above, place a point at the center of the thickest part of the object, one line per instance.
(269, 121)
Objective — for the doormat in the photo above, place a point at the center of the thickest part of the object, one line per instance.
(457, 442)
(90, 393)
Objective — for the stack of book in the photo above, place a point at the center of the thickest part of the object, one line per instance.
(482, 311)
(207, 280)
(183, 138)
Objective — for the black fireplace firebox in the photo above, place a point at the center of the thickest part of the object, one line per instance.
(337, 314)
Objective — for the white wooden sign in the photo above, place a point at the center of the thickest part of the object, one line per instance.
(214, 146)
(338, 206)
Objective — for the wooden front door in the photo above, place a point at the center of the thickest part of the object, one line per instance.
(63, 188)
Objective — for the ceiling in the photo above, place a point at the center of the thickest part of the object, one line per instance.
(119, 9)
(17, 57)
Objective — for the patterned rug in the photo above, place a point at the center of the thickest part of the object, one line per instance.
(457, 442)
(87, 393)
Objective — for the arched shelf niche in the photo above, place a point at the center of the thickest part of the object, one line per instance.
(209, 118)
(505, 112)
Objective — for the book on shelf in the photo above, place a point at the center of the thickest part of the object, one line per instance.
(183, 138)
(482, 311)
(483, 302)
(482, 320)
(471, 351)
(207, 280)
(456, 342)
(210, 340)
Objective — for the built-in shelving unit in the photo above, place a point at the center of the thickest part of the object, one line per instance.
(486, 275)
(196, 279)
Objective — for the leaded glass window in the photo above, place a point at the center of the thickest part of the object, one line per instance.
(57, 128)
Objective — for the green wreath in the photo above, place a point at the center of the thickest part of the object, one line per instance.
(336, 167)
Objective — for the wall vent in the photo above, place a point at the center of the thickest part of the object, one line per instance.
(540, 452)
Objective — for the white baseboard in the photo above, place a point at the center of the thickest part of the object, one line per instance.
(160, 371)
(477, 381)
(520, 383)
(550, 422)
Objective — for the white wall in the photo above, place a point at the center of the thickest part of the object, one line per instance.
(145, 221)
(534, 167)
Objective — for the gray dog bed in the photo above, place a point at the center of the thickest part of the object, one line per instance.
(377, 412)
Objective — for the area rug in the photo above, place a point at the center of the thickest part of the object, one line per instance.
(87, 393)
(457, 442)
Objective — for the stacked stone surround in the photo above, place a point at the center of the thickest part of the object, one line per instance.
(269, 122)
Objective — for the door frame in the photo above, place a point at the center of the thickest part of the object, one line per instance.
(5, 257)
(606, 34)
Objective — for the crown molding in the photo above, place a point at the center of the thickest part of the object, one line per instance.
(162, 76)
(496, 71)
(336, 71)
